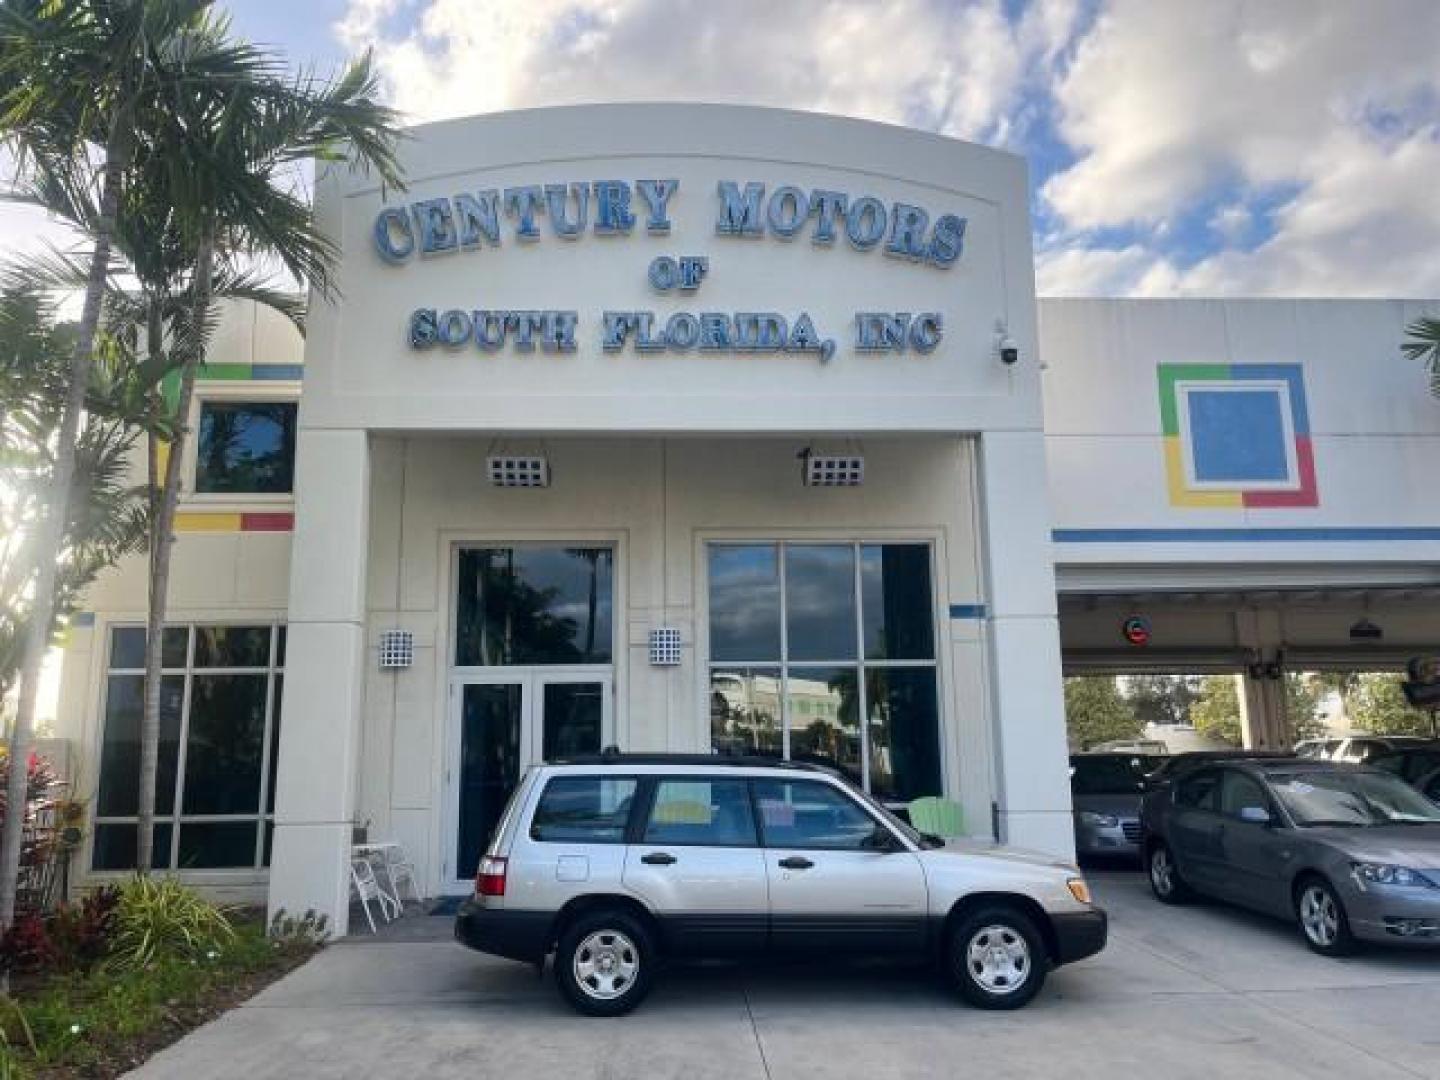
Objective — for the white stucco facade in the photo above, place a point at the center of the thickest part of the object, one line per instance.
(1129, 476)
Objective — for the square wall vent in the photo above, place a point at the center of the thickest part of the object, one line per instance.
(831, 470)
(509, 471)
(665, 646)
(397, 650)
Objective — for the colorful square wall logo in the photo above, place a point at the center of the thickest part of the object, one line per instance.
(1237, 435)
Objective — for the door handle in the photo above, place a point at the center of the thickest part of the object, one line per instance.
(658, 858)
(796, 862)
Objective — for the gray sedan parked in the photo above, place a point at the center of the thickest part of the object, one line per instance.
(1105, 790)
(1348, 852)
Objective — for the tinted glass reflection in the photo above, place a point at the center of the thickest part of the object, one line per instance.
(223, 754)
(904, 727)
(246, 447)
(534, 605)
(899, 623)
(127, 647)
(820, 601)
(120, 754)
(824, 707)
(232, 646)
(745, 711)
(744, 602)
(216, 844)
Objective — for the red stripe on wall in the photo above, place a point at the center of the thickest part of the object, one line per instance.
(267, 522)
(1307, 494)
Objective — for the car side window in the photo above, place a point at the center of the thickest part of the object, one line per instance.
(807, 814)
(1239, 792)
(1431, 788)
(1391, 763)
(1198, 791)
(584, 810)
(705, 813)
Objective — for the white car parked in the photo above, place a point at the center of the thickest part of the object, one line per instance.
(616, 862)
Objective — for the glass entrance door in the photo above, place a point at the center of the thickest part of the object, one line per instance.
(501, 725)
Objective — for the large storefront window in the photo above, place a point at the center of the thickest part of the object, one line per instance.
(806, 639)
(534, 605)
(219, 726)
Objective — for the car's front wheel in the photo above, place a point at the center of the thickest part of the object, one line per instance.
(1165, 880)
(996, 958)
(1322, 918)
(604, 963)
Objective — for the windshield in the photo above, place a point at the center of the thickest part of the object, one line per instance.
(1106, 775)
(1354, 799)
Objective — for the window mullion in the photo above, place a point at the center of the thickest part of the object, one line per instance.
(861, 703)
(784, 657)
(266, 750)
(184, 740)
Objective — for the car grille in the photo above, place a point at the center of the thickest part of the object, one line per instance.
(1131, 830)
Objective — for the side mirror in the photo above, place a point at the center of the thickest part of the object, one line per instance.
(880, 839)
(1255, 815)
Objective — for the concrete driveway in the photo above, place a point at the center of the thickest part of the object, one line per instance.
(1198, 992)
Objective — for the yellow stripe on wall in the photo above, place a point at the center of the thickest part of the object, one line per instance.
(1180, 495)
(207, 522)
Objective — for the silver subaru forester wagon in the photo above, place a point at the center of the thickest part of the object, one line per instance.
(618, 862)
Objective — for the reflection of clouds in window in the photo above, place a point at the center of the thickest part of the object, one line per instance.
(820, 601)
(744, 602)
(534, 605)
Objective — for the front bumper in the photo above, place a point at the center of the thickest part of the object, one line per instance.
(1393, 914)
(515, 935)
(1122, 838)
(1079, 934)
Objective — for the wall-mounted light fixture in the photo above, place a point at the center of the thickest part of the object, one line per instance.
(1007, 350)
(515, 471)
(1365, 630)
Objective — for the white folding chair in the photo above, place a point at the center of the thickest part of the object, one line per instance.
(362, 876)
(399, 869)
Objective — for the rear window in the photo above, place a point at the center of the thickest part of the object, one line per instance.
(584, 810)
(1110, 775)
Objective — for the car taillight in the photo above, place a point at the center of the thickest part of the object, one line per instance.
(490, 881)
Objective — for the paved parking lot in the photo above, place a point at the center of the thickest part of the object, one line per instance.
(1195, 992)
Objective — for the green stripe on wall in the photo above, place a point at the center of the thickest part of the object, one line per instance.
(223, 372)
(1170, 374)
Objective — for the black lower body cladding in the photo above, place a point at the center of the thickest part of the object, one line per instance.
(1079, 935)
(514, 935)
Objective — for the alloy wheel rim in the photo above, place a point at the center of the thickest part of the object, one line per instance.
(1160, 873)
(1319, 916)
(605, 965)
(998, 959)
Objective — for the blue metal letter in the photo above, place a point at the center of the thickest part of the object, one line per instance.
(478, 217)
(422, 328)
(739, 214)
(714, 331)
(862, 234)
(948, 241)
(437, 227)
(612, 207)
(656, 194)
(926, 330)
(617, 324)
(682, 331)
(559, 211)
(692, 270)
(521, 203)
(663, 273)
(390, 223)
(907, 232)
(826, 205)
(490, 330)
(455, 328)
(559, 331)
(786, 223)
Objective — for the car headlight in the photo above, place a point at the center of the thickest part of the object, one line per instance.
(1384, 874)
(1099, 821)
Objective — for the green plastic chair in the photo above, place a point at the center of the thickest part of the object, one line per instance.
(939, 816)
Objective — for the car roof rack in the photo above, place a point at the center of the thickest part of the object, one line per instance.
(612, 756)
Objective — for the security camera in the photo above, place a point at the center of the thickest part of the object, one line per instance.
(1009, 351)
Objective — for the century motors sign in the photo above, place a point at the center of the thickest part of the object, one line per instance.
(474, 222)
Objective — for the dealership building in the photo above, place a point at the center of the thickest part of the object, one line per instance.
(693, 428)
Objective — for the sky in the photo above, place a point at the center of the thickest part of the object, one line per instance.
(1176, 147)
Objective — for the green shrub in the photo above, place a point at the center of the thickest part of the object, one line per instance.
(158, 919)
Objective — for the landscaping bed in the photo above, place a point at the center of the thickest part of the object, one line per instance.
(133, 994)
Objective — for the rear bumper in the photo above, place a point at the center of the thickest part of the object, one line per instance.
(515, 935)
(1079, 934)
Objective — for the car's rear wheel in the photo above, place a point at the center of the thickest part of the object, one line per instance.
(604, 963)
(1165, 880)
(1322, 918)
(996, 958)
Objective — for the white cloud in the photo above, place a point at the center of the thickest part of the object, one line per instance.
(953, 68)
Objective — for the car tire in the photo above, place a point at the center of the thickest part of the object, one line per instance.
(1164, 876)
(1322, 919)
(995, 958)
(605, 962)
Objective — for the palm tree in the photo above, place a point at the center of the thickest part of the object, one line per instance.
(221, 158)
(1424, 345)
(74, 79)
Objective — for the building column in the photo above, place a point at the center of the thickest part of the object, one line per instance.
(1263, 722)
(1032, 767)
(320, 729)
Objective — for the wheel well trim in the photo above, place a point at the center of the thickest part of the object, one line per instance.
(579, 905)
(1031, 908)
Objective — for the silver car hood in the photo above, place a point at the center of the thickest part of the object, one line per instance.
(989, 850)
(1415, 846)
